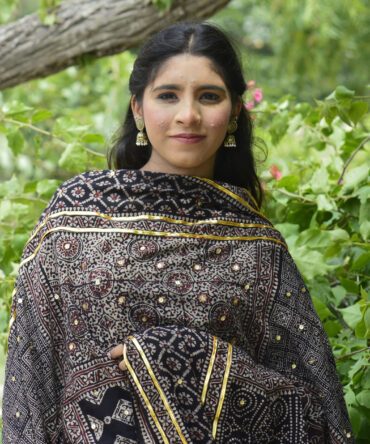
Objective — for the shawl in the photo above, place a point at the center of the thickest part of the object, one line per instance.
(221, 340)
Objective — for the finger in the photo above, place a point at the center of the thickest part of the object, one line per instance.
(116, 352)
(122, 366)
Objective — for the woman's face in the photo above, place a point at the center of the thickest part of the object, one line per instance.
(186, 111)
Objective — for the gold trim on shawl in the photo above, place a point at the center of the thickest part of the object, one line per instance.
(158, 387)
(223, 391)
(146, 233)
(142, 393)
(252, 198)
(209, 371)
(11, 321)
(233, 195)
(148, 217)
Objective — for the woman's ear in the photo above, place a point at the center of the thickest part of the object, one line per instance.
(237, 108)
(136, 108)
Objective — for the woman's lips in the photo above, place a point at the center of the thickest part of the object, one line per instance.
(188, 138)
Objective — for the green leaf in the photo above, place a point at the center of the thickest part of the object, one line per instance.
(363, 398)
(320, 181)
(93, 138)
(310, 262)
(341, 92)
(289, 232)
(349, 285)
(344, 116)
(339, 294)
(363, 327)
(332, 328)
(350, 397)
(324, 203)
(49, 19)
(10, 188)
(69, 129)
(351, 315)
(364, 295)
(338, 235)
(313, 238)
(355, 176)
(46, 187)
(365, 380)
(355, 418)
(74, 158)
(321, 309)
(19, 241)
(14, 107)
(365, 229)
(289, 182)
(357, 111)
(361, 261)
(40, 115)
(30, 187)
(15, 141)
(162, 5)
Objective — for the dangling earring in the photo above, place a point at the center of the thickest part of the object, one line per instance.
(230, 138)
(141, 138)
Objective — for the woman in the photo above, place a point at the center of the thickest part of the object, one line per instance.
(168, 262)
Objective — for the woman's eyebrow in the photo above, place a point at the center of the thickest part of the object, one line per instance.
(169, 86)
(173, 86)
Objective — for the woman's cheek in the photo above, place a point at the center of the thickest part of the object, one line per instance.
(155, 118)
(219, 120)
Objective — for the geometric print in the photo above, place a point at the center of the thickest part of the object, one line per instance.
(159, 257)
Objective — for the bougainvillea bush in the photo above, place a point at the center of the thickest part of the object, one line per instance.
(316, 192)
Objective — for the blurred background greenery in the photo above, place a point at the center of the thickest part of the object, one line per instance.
(302, 48)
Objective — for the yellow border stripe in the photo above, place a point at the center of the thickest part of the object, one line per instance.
(223, 391)
(209, 371)
(148, 217)
(158, 387)
(142, 393)
(250, 195)
(233, 195)
(145, 233)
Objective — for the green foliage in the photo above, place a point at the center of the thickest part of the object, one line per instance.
(321, 203)
(162, 5)
(302, 47)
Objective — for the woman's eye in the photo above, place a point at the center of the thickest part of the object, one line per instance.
(210, 97)
(167, 96)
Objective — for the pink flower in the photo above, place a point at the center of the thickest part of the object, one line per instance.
(258, 94)
(275, 172)
(251, 83)
(249, 105)
(341, 182)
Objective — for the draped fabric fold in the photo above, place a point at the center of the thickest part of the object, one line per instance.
(221, 340)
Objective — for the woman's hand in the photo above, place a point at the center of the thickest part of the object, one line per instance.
(117, 353)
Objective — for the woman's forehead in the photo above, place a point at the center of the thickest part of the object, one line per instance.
(187, 68)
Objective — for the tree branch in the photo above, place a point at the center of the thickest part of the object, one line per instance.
(349, 160)
(351, 354)
(287, 193)
(45, 133)
(97, 28)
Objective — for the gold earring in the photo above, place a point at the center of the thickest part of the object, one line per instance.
(230, 138)
(141, 138)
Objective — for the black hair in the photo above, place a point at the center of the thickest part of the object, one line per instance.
(233, 165)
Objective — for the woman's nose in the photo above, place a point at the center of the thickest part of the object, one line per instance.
(188, 114)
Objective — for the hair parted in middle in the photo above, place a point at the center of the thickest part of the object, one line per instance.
(235, 166)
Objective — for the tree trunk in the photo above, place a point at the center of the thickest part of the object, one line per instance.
(29, 49)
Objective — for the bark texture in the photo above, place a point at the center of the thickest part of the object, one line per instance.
(29, 49)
